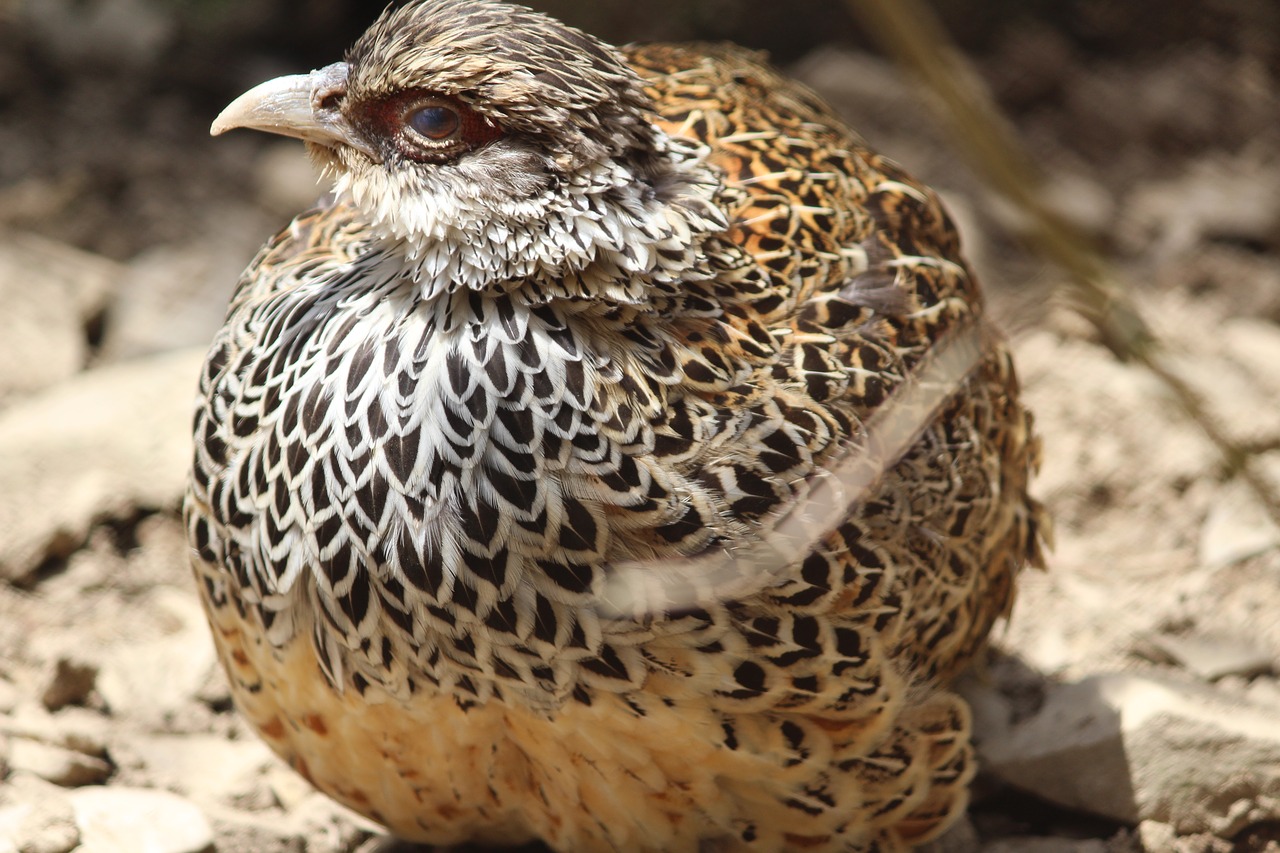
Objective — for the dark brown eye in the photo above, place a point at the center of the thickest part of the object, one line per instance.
(435, 122)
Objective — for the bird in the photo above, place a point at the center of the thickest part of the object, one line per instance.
(619, 457)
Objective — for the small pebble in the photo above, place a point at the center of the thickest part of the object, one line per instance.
(70, 683)
(1155, 835)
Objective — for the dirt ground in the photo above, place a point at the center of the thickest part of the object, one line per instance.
(1130, 703)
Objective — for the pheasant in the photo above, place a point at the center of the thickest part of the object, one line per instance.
(619, 456)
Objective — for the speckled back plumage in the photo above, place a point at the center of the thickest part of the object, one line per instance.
(422, 459)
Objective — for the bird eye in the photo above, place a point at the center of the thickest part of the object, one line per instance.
(425, 126)
(435, 122)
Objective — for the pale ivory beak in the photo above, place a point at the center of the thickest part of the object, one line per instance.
(303, 106)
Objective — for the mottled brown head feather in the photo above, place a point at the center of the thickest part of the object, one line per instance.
(529, 73)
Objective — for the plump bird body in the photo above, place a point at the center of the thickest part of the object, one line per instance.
(471, 427)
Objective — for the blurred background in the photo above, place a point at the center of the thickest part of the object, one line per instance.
(105, 105)
(1156, 129)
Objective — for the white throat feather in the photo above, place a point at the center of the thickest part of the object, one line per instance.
(603, 231)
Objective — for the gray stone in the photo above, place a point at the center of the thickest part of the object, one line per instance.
(36, 817)
(1236, 528)
(8, 696)
(82, 730)
(1070, 753)
(205, 768)
(49, 292)
(1133, 748)
(125, 820)
(56, 764)
(67, 749)
(152, 678)
(1212, 658)
(235, 829)
(105, 444)
(1264, 691)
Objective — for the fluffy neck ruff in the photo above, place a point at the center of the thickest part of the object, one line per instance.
(610, 230)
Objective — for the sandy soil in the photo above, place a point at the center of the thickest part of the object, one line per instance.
(1131, 702)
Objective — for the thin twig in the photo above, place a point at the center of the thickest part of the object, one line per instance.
(909, 30)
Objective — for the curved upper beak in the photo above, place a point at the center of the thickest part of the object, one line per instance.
(304, 106)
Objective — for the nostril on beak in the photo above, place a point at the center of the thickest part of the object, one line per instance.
(330, 87)
(330, 100)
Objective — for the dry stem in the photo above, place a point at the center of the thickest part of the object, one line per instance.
(909, 31)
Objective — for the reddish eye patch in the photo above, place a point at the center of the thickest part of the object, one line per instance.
(428, 127)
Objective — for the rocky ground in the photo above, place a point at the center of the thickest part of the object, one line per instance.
(1131, 703)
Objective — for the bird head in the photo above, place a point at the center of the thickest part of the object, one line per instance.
(489, 140)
